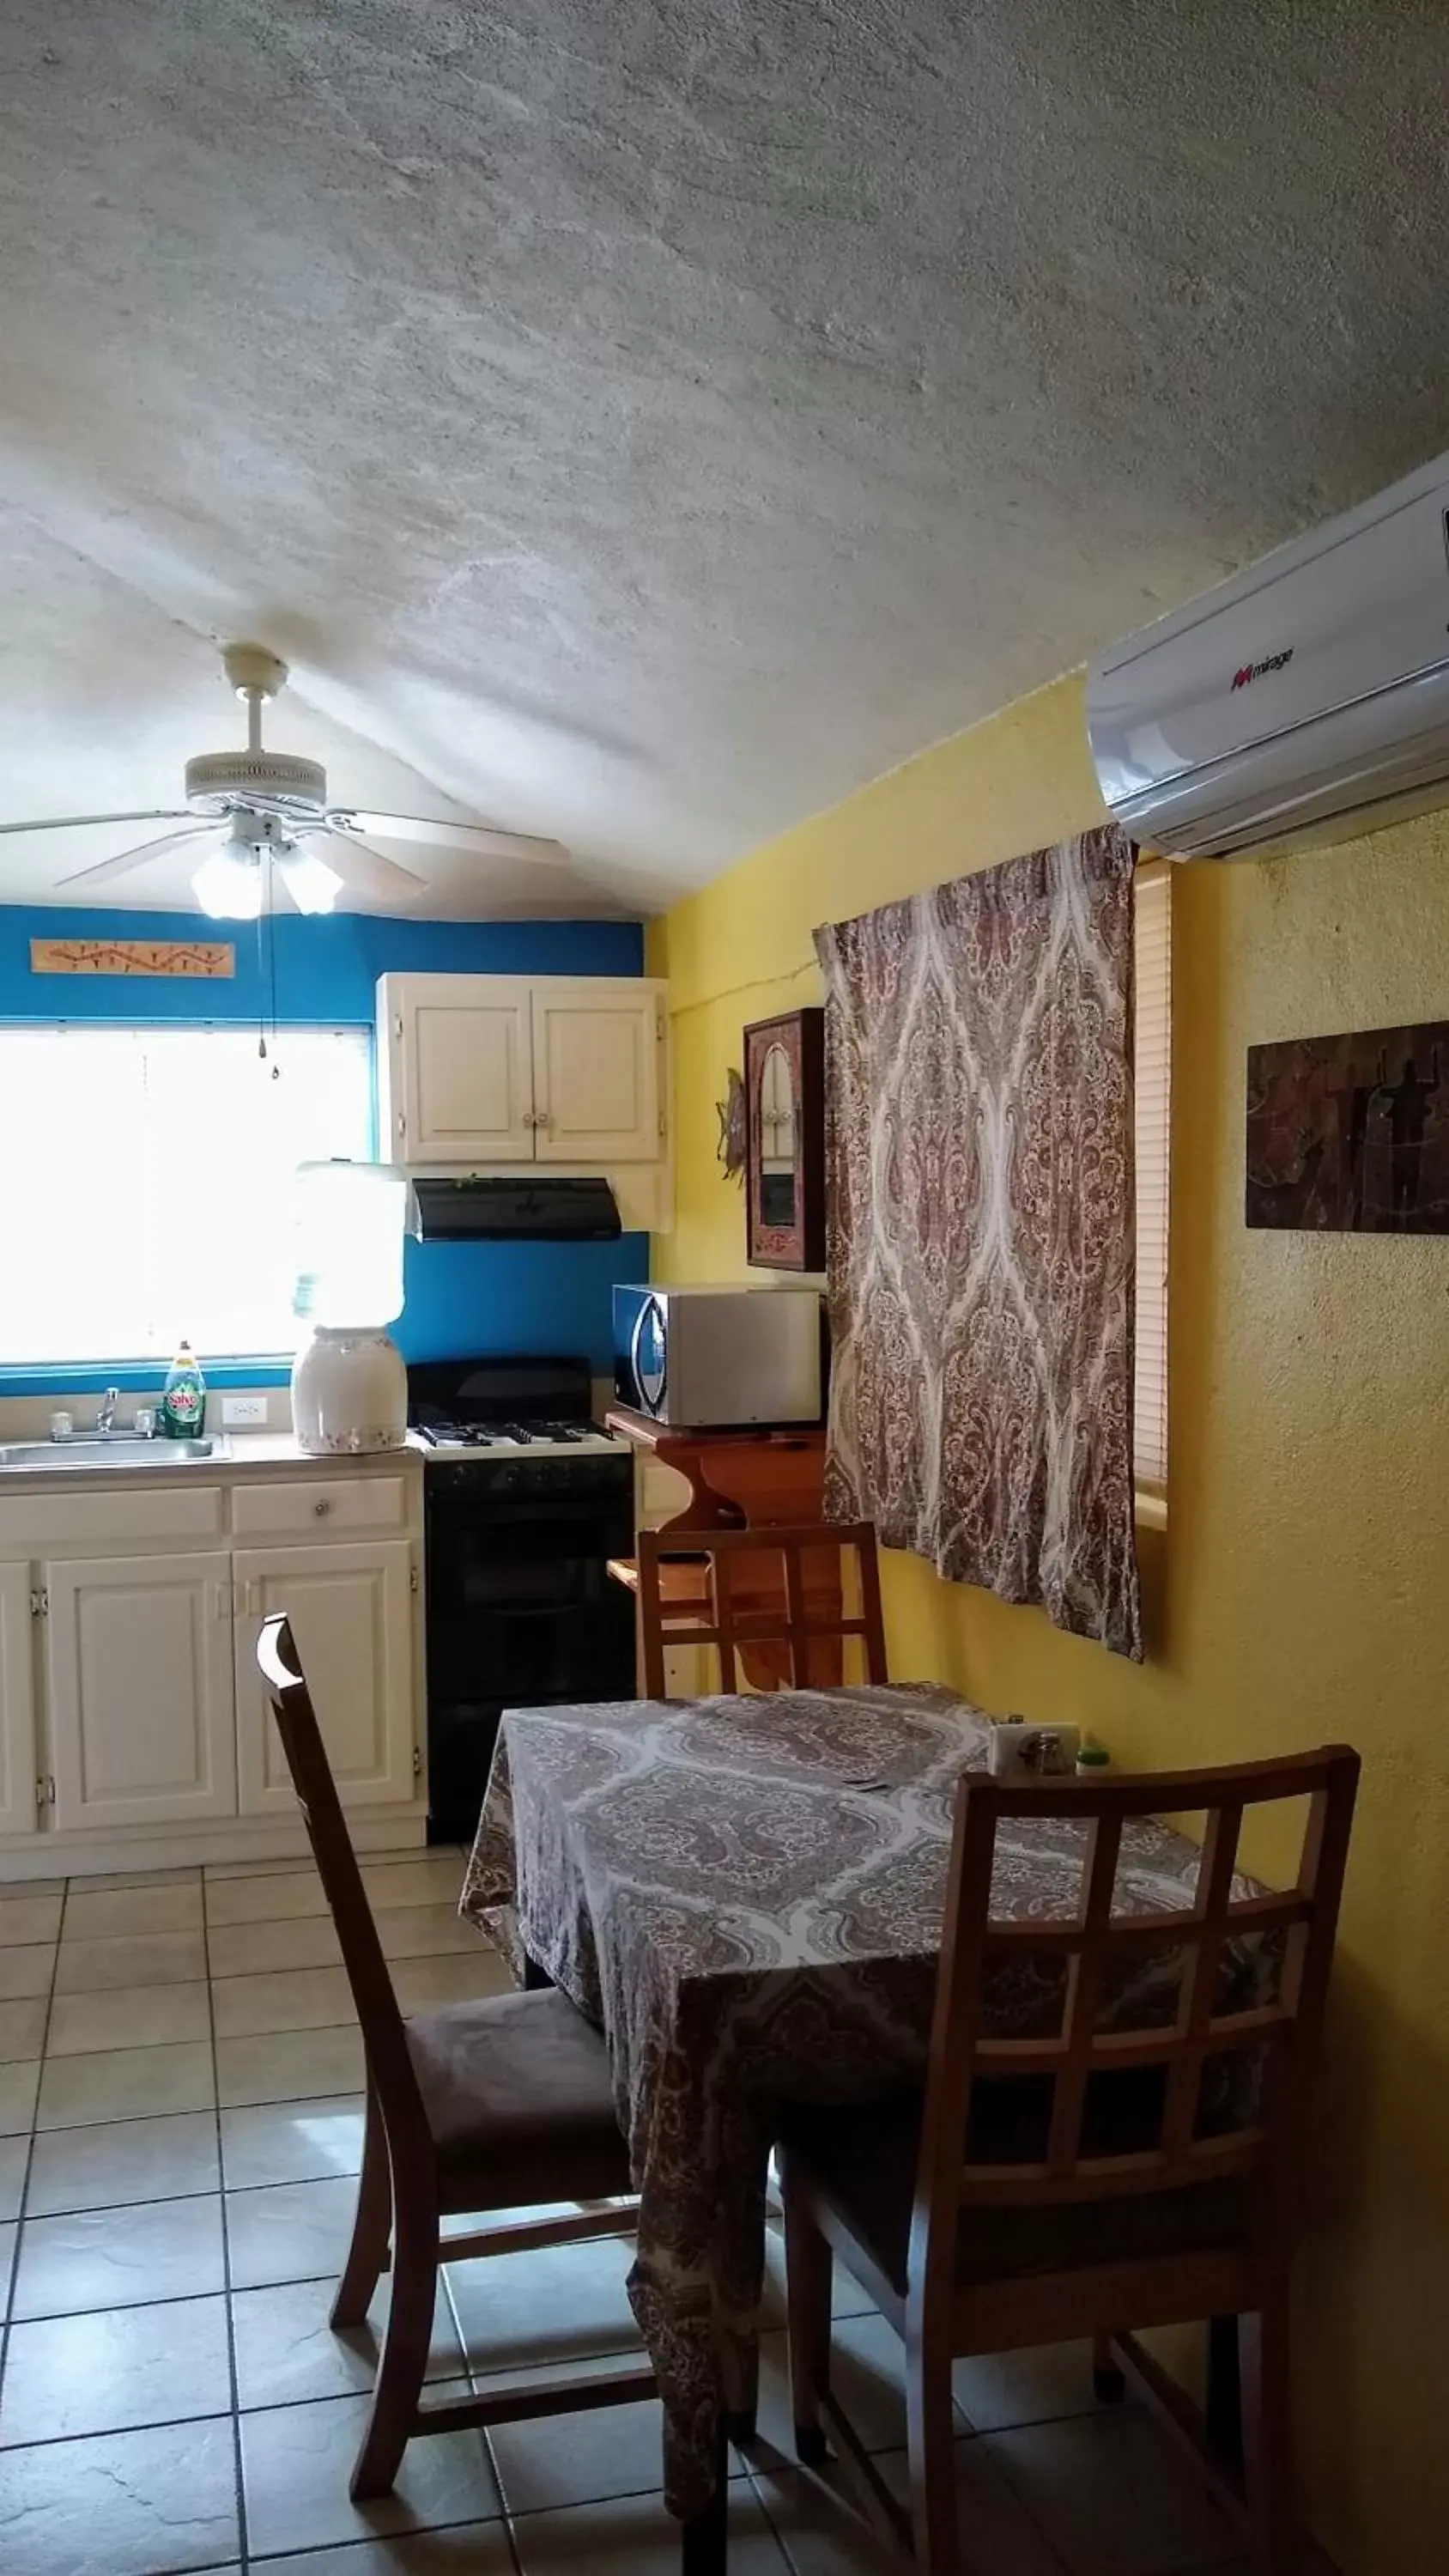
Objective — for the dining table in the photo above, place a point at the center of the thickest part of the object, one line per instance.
(745, 1894)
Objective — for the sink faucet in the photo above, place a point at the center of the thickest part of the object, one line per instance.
(106, 1412)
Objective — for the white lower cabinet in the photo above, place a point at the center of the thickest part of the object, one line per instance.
(18, 1766)
(139, 1676)
(351, 1609)
(129, 1693)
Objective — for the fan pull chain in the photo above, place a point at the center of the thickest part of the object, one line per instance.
(267, 968)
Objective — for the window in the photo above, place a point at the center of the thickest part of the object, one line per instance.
(146, 1178)
(1154, 1104)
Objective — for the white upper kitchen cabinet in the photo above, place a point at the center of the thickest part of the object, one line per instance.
(481, 1070)
(139, 1669)
(17, 1703)
(597, 1047)
(455, 1063)
(351, 1609)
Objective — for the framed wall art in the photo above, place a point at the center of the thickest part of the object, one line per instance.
(785, 1141)
(1350, 1134)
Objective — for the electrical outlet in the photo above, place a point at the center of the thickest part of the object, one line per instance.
(237, 1410)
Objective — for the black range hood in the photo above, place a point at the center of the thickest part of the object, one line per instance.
(535, 1209)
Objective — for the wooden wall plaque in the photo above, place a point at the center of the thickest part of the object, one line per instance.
(207, 958)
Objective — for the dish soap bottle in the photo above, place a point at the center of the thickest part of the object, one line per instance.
(183, 1398)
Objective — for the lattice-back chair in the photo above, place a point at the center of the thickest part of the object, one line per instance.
(1133, 2166)
(781, 1590)
(505, 2103)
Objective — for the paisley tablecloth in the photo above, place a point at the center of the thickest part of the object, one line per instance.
(746, 1895)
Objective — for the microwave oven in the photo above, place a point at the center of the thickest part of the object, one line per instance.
(702, 1359)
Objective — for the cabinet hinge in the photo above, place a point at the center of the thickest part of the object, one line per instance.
(417, 1762)
(39, 1602)
(414, 1578)
(663, 1124)
(397, 1026)
(659, 1022)
(45, 1790)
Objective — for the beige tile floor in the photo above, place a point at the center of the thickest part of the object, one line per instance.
(179, 2132)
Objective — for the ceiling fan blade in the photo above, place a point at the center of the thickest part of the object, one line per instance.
(363, 867)
(80, 822)
(475, 840)
(127, 859)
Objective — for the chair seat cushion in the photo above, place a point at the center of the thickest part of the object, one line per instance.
(518, 2093)
(863, 2162)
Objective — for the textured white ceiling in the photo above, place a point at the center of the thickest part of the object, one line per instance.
(643, 423)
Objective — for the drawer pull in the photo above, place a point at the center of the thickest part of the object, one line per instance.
(322, 1509)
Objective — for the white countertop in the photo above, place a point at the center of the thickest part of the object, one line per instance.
(237, 1454)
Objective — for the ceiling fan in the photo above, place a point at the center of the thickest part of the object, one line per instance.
(251, 811)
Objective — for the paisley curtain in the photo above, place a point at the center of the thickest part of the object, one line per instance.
(980, 1256)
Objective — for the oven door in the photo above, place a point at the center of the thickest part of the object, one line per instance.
(520, 1605)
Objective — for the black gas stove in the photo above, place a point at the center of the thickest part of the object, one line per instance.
(509, 1435)
(525, 1501)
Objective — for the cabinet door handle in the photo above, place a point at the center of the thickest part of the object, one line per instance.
(321, 1509)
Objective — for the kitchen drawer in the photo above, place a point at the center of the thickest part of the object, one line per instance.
(129, 1512)
(319, 1507)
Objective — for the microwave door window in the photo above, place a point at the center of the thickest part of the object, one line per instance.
(651, 1356)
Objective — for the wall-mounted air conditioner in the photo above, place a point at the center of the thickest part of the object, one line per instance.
(1306, 699)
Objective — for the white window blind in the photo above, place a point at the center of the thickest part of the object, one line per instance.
(1154, 1110)
(147, 1181)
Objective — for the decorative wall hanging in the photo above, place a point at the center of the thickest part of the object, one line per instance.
(785, 1126)
(980, 1188)
(1350, 1134)
(730, 1151)
(204, 957)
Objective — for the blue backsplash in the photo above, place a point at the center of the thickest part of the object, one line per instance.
(461, 1297)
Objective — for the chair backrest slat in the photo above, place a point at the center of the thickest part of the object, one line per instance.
(1084, 1986)
(733, 1568)
(389, 2065)
(1250, 1983)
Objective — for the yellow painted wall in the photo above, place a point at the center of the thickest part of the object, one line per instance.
(1302, 1589)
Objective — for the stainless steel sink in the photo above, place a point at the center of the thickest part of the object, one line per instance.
(118, 1449)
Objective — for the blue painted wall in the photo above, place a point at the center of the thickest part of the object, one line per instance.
(326, 969)
(461, 1297)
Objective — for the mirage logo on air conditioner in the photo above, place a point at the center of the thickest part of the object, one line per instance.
(1255, 670)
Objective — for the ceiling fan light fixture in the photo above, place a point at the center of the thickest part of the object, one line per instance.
(267, 802)
(312, 885)
(228, 888)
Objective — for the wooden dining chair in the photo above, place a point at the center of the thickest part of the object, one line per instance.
(746, 1588)
(1104, 2178)
(500, 2104)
